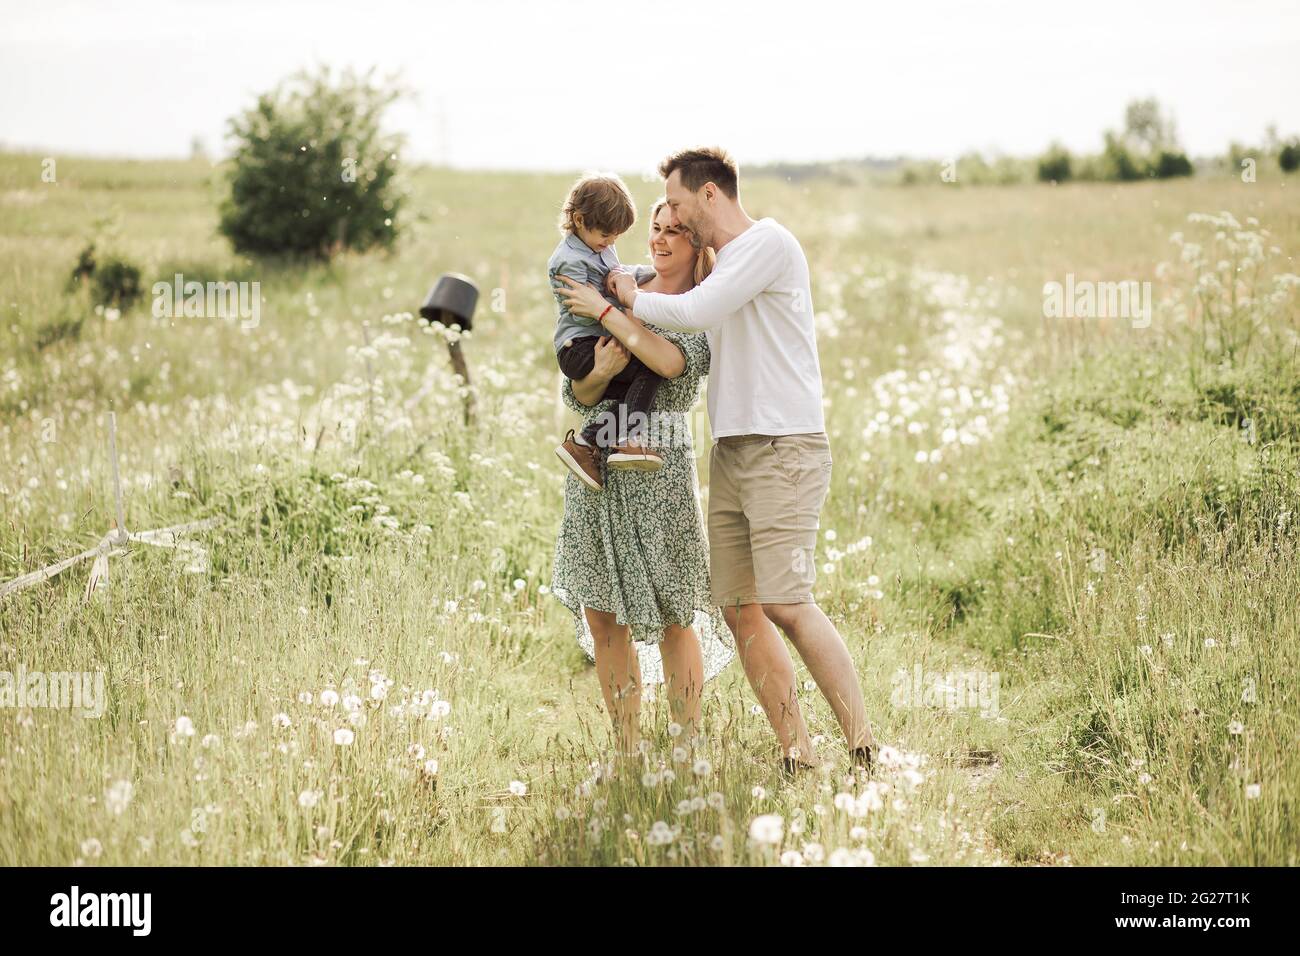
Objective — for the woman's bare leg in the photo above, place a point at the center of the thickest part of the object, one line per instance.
(770, 671)
(683, 675)
(619, 672)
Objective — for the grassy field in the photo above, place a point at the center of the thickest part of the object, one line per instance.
(1098, 518)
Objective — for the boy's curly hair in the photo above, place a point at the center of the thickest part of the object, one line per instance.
(603, 202)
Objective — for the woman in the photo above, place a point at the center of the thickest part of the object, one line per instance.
(631, 562)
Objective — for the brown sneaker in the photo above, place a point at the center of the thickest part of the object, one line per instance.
(633, 457)
(581, 460)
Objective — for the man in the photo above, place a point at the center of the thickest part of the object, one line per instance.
(770, 469)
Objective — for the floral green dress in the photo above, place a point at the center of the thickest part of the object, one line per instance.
(638, 549)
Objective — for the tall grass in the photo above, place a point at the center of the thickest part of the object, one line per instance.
(1100, 517)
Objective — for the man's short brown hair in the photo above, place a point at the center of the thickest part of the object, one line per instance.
(708, 164)
(603, 202)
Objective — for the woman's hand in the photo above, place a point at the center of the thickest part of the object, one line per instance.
(612, 357)
(580, 299)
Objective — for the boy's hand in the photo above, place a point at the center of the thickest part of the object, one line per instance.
(614, 274)
(621, 286)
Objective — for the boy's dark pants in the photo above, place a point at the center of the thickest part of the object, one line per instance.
(634, 387)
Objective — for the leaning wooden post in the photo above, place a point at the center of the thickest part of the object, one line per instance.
(451, 303)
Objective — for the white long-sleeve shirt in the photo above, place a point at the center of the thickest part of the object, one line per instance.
(756, 306)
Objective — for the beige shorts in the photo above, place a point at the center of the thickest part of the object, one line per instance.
(765, 500)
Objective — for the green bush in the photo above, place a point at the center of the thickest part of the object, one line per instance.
(1055, 165)
(312, 173)
(1117, 163)
(112, 280)
(1288, 157)
(1169, 164)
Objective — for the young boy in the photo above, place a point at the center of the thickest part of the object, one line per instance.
(598, 210)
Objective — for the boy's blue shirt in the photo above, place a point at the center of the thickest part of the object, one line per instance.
(577, 260)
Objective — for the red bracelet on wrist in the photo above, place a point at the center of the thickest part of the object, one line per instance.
(601, 318)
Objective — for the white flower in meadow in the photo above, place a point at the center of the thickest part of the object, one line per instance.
(756, 710)
(660, 834)
(872, 580)
(357, 719)
(562, 813)
(183, 728)
(683, 808)
(282, 721)
(352, 703)
(889, 757)
(768, 828)
(844, 801)
(858, 833)
(431, 766)
(329, 697)
(378, 691)
(649, 779)
(416, 751)
(520, 584)
(344, 737)
(758, 793)
(1144, 779)
(792, 858)
(309, 798)
(305, 697)
(1146, 650)
(118, 796)
(1252, 791)
(478, 585)
(209, 741)
(919, 856)
(449, 607)
(674, 729)
(716, 800)
(717, 844)
(668, 775)
(680, 754)
(866, 857)
(91, 848)
(1210, 642)
(518, 788)
(439, 708)
(189, 839)
(843, 857)
(1236, 727)
(814, 852)
(703, 768)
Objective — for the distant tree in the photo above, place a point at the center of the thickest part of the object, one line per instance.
(1146, 130)
(1055, 165)
(1168, 165)
(312, 172)
(1117, 163)
(1288, 156)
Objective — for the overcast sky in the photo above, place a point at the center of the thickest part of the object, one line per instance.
(516, 84)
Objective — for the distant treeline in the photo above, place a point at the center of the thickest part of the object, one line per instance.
(1146, 148)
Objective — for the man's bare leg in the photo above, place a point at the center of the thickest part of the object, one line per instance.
(820, 646)
(770, 671)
